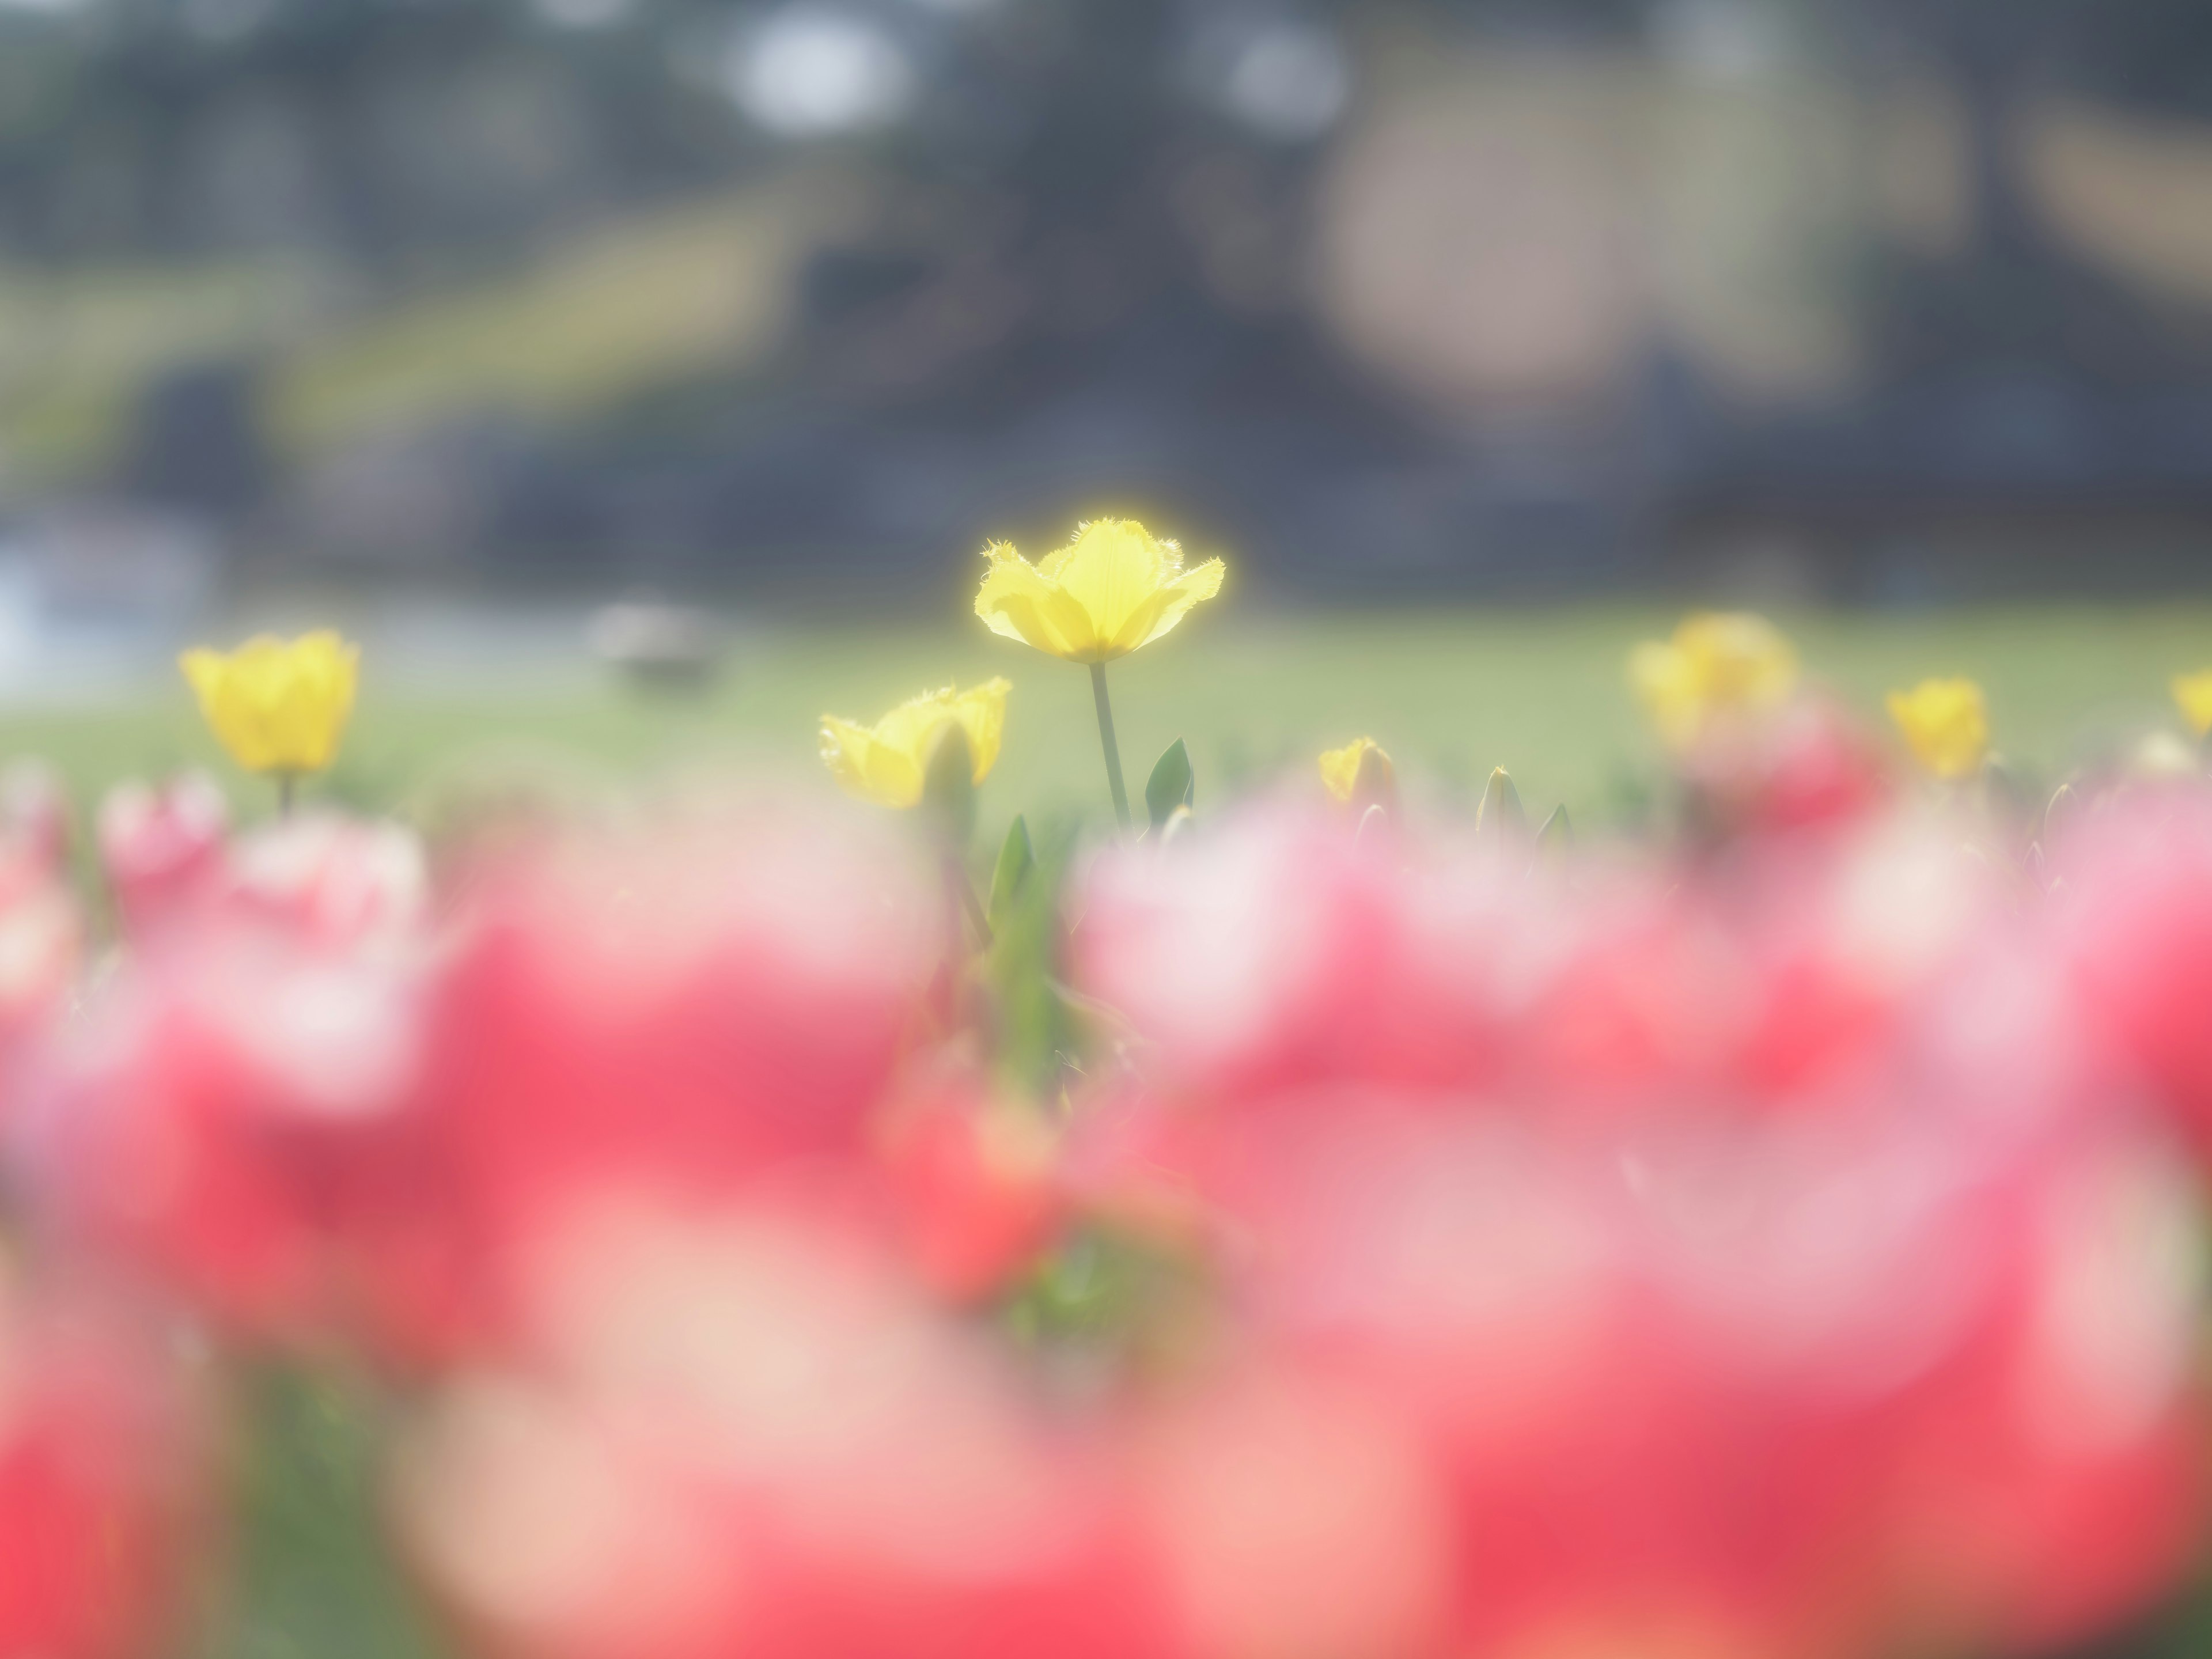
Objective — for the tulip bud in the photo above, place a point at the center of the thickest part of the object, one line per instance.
(1558, 834)
(1501, 816)
(1172, 786)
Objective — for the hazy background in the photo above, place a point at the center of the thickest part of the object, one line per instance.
(457, 319)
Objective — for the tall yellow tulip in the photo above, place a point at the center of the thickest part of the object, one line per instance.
(278, 706)
(1113, 589)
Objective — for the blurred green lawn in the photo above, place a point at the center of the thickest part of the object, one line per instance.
(1450, 693)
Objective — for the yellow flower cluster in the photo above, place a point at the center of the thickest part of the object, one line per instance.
(1113, 589)
(281, 706)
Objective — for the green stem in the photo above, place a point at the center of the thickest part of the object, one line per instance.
(287, 783)
(963, 893)
(1113, 749)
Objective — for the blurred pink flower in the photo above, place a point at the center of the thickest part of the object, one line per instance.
(101, 1459)
(162, 849)
(1757, 1251)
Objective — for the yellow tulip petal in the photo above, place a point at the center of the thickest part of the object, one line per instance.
(1114, 570)
(1739, 659)
(1339, 768)
(1944, 722)
(981, 712)
(1112, 589)
(1017, 601)
(888, 761)
(848, 749)
(1715, 662)
(2192, 693)
(1176, 598)
(277, 706)
(1665, 682)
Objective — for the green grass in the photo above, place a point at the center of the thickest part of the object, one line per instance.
(1451, 694)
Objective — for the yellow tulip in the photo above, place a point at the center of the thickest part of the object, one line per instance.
(1717, 661)
(1339, 768)
(2192, 693)
(277, 706)
(1946, 724)
(1114, 588)
(887, 762)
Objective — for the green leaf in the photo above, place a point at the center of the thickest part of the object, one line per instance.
(1558, 834)
(1017, 862)
(1170, 786)
(1501, 815)
(948, 788)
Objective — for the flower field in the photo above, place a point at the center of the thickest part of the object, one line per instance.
(1734, 1189)
(1541, 692)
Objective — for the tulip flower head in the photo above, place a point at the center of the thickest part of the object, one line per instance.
(277, 706)
(887, 762)
(1114, 588)
(2192, 695)
(1343, 769)
(1717, 662)
(1946, 724)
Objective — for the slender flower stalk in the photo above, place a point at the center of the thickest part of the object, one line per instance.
(1112, 748)
(963, 897)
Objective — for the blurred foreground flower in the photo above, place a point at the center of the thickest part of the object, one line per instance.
(1717, 663)
(1946, 724)
(752, 1438)
(100, 1456)
(41, 949)
(2192, 695)
(1114, 588)
(1747, 1258)
(326, 1124)
(278, 707)
(888, 761)
(159, 849)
